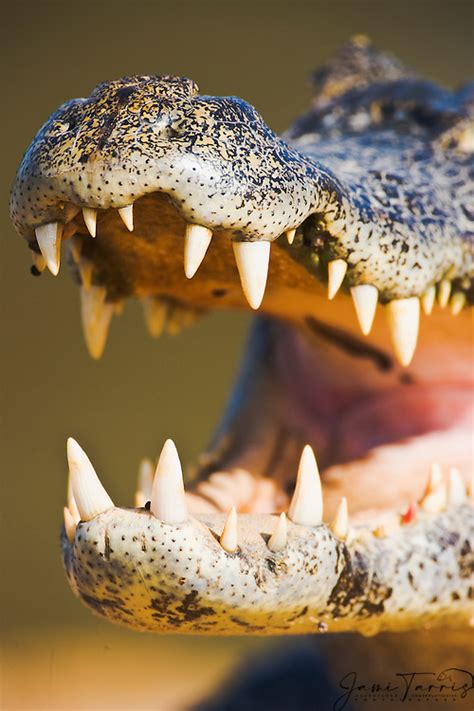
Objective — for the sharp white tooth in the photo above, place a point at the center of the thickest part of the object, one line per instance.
(126, 213)
(340, 525)
(279, 537)
(196, 241)
(155, 312)
(434, 498)
(168, 501)
(336, 272)
(90, 496)
(90, 219)
(69, 525)
(403, 320)
(456, 487)
(428, 299)
(49, 242)
(39, 262)
(86, 269)
(444, 292)
(146, 471)
(96, 317)
(365, 297)
(76, 249)
(457, 302)
(228, 539)
(290, 236)
(306, 506)
(252, 262)
(71, 503)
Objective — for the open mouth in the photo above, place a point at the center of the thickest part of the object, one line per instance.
(361, 354)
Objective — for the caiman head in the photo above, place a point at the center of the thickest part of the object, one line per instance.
(353, 233)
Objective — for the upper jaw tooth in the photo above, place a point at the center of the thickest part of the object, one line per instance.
(49, 241)
(168, 501)
(290, 235)
(196, 241)
(365, 297)
(336, 272)
(90, 219)
(252, 262)
(306, 506)
(126, 213)
(403, 320)
(90, 496)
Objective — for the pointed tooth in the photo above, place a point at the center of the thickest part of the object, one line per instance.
(167, 496)
(146, 471)
(336, 272)
(90, 496)
(444, 292)
(39, 262)
(365, 297)
(49, 242)
(71, 503)
(456, 487)
(340, 525)
(76, 249)
(69, 524)
(196, 241)
(126, 214)
(279, 537)
(403, 320)
(290, 235)
(86, 269)
(306, 506)
(90, 219)
(228, 539)
(252, 262)
(457, 302)
(96, 317)
(434, 498)
(428, 299)
(155, 312)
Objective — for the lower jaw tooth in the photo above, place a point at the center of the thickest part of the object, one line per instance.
(155, 312)
(279, 537)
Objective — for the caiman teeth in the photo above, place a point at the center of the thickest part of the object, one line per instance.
(168, 502)
(336, 272)
(306, 507)
(279, 537)
(90, 496)
(458, 301)
(365, 297)
(252, 260)
(126, 213)
(229, 536)
(144, 482)
(456, 489)
(49, 241)
(96, 316)
(403, 320)
(39, 262)
(90, 219)
(444, 292)
(86, 269)
(290, 235)
(155, 313)
(196, 241)
(340, 524)
(70, 524)
(435, 496)
(428, 299)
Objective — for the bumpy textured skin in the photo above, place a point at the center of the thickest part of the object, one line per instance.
(382, 166)
(135, 570)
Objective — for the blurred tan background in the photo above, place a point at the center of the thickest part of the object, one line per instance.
(55, 654)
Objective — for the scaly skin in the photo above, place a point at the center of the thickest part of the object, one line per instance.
(378, 174)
